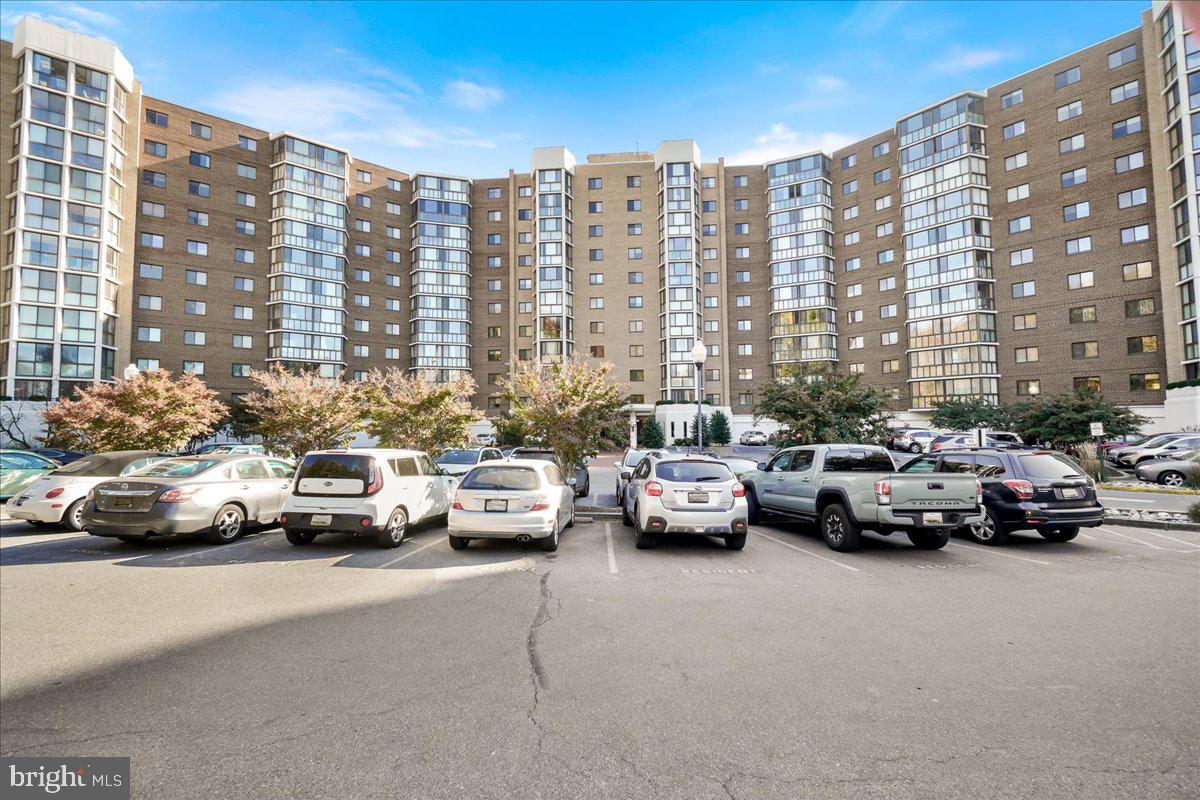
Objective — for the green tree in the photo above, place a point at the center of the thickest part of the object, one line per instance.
(151, 411)
(825, 405)
(1064, 420)
(718, 429)
(509, 432)
(972, 412)
(652, 435)
(408, 410)
(571, 405)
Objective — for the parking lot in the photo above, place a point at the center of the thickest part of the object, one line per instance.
(341, 669)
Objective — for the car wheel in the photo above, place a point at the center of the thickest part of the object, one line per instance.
(227, 525)
(549, 543)
(300, 537)
(72, 518)
(1171, 478)
(458, 542)
(837, 530)
(626, 520)
(645, 540)
(1063, 534)
(914, 448)
(929, 540)
(735, 541)
(393, 533)
(753, 511)
(989, 531)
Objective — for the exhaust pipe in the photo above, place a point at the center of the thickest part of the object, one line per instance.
(523, 538)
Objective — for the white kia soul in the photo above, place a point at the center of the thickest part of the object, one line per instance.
(375, 492)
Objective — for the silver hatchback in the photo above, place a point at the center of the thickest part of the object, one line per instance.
(685, 494)
(215, 495)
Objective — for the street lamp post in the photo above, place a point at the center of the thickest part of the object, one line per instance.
(130, 372)
(699, 353)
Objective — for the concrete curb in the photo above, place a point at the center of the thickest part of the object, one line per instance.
(1154, 524)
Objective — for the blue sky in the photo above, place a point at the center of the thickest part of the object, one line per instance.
(472, 88)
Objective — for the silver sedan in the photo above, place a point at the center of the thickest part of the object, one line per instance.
(1174, 471)
(215, 495)
(522, 499)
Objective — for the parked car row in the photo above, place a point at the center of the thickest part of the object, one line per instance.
(1163, 445)
(925, 440)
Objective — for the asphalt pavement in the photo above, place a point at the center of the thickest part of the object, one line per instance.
(341, 670)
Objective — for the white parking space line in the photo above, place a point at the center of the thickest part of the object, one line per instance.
(222, 548)
(806, 552)
(612, 556)
(425, 546)
(991, 551)
(1170, 538)
(1132, 539)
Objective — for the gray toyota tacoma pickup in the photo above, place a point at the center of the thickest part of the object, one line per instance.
(849, 487)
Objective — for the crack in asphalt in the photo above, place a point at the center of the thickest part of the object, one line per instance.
(538, 677)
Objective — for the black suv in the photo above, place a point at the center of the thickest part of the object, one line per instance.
(1037, 490)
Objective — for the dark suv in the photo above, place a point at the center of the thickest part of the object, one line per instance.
(1037, 490)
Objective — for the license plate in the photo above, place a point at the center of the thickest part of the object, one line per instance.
(123, 502)
(697, 497)
(932, 518)
(1070, 492)
(495, 505)
(321, 520)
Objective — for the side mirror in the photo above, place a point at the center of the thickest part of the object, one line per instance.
(626, 475)
(617, 464)
(762, 465)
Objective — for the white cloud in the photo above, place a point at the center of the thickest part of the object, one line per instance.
(471, 96)
(870, 17)
(345, 114)
(781, 141)
(89, 16)
(72, 16)
(963, 59)
(829, 83)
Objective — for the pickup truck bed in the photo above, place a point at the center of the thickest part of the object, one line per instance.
(848, 488)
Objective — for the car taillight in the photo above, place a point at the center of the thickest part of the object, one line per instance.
(457, 504)
(1022, 489)
(739, 490)
(978, 492)
(654, 488)
(541, 504)
(376, 476)
(54, 493)
(178, 495)
(883, 492)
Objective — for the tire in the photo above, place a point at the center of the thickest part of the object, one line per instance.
(228, 524)
(393, 533)
(929, 540)
(914, 448)
(549, 543)
(735, 541)
(626, 520)
(1063, 534)
(645, 540)
(72, 518)
(300, 537)
(990, 531)
(838, 531)
(458, 542)
(37, 523)
(1172, 478)
(753, 509)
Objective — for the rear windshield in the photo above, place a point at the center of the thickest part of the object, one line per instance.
(692, 471)
(1049, 466)
(336, 465)
(502, 478)
(535, 456)
(88, 465)
(858, 461)
(458, 457)
(177, 468)
(634, 457)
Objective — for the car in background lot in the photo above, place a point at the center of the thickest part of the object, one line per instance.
(1037, 490)
(740, 466)
(515, 498)
(376, 491)
(625, 467)
(849, 487)
(1166, 448)
(216, 495)
(459, 461)
(1120, 455)
(913, 440)
(998, 440)
(685, 494)
(753, 438)
(58, 497)
(583, 478)
(19, 468)
(61, 456)
(1174, 471)
(219, 448)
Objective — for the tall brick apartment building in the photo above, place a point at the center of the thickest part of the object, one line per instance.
(1027, 238)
